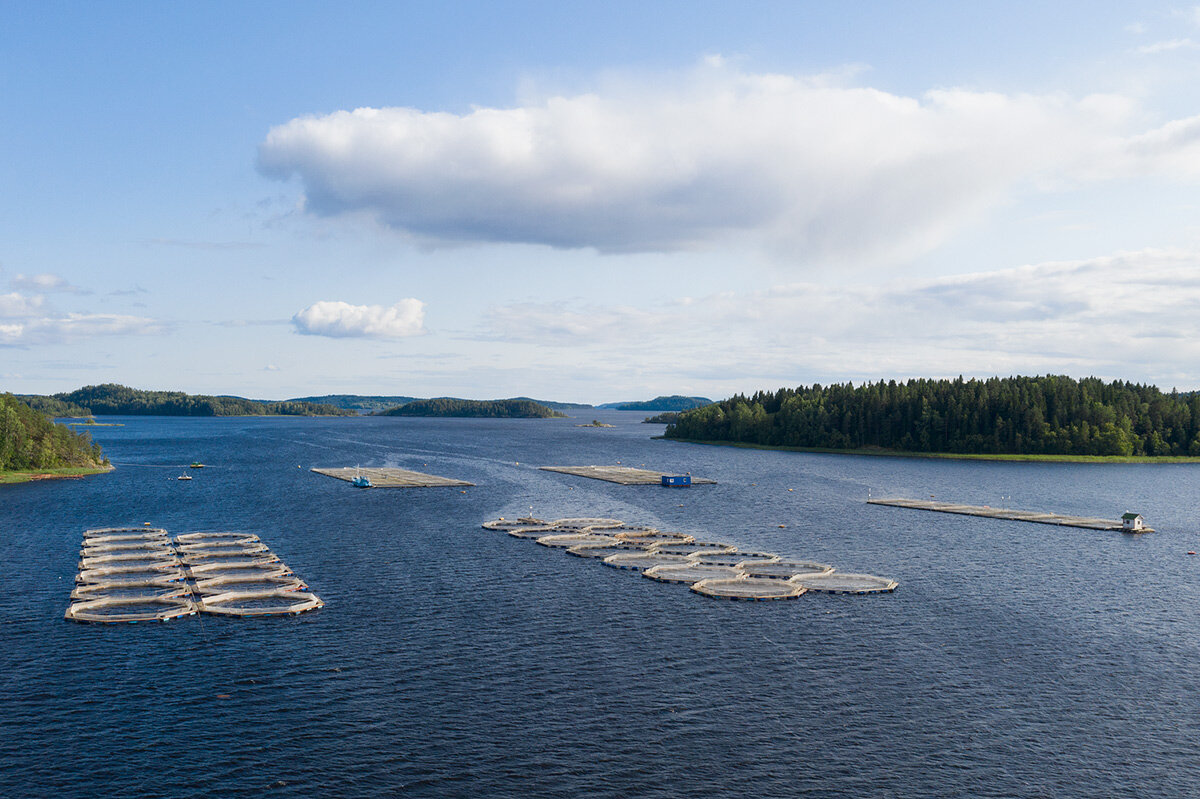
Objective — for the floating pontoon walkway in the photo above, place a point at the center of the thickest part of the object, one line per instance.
(1008, 514)
(625, 475)
(387, 477)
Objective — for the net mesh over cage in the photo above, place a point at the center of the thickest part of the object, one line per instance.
(568, 540)
(696, 548)
(604, 550)
(640, 561)
(839, 583)
(746, 587)
(689, 573)
(657, 538)
(536, 531)
(275, 602)
(583, 523)
(115, 610)
(784, 569)
(504, 525)
(735, 558)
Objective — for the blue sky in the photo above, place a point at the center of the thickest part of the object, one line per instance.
(595, 201)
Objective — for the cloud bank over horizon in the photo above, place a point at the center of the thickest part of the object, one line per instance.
(336, 319)
(803, 167)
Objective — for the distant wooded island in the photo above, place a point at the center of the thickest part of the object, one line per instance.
(492, 409)
(674, 402)
(112, 399)
(32, 445)
(1019, 416)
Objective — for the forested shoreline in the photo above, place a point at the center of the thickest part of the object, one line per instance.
(114, 399)
(1047, 415)
(495, 409)
(30, 442)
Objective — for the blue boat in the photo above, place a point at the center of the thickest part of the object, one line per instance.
(360, 480)
(677, 480)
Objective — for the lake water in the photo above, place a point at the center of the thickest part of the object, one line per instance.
(1014, 659)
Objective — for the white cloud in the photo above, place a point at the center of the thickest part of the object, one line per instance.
(45, 283)
(72, 327)
(1167, 46)
(1132, 316)
(16, 305)
(343, 320)
(804, 166)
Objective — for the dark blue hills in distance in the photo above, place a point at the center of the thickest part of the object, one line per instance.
(675, 402)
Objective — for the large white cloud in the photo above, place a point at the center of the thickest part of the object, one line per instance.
(807, 167)
(343, 320)
(1131, 316)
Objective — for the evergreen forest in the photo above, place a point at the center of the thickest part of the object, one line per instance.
(30, 441)
(1045, 415)
(113, 399)
(447, 406)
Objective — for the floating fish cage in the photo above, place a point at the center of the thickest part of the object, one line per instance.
(839, 583)
(735, 558)
(748, 588)
(604, 550)
(538, 531)
(130, 573)
(111, 591)
(568, 540)
(689, 573)
(657, 538)
(249, 582)
(784, 569)
(640, 561)
(505, 525)
(123, 547)
(226, 537)
(696, 548)
(274, 602)
(586, 523)
(118, 610)
(106, 535)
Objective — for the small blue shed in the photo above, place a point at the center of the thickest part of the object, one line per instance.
(677, 480)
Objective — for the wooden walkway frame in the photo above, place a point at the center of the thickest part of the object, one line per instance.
(388, 477)
(625, 475)
(1037, 517)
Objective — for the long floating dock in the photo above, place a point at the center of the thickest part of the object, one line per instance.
(387, 477)
(1036, 517)
(625, 475)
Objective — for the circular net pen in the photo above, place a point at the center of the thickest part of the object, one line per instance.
(640, 561)
(505, 525)
(110, 591)
(639, 529)
(129, 557)
(758, 589)
(568, 540)
(136, 580)
(239, 566)
(225, 556)
(116, 610)
(249, 582)
(91, 550)
(657, 538)
(257, 572)
(735, 558)
(696, 548)
(604, 550)
(839, 583)
(536, 531)
(189, 539)
(689, 573)
(784, 569)
(107, 535)
(584, 522)
(275, 602)
(108, 573)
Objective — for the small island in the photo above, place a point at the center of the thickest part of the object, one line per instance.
(111, 399)
(596, 423)
(487, 409)
(34, 448)
(675, 402)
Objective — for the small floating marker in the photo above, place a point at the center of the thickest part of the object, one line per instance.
(146, 524)
(224, 696)
(1192, 552)
(791, 489)
(783, 527)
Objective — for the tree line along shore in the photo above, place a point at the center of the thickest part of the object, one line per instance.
(31, 445)
(1052, 416)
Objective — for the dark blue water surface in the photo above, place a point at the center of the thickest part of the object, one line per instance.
(1014, 660)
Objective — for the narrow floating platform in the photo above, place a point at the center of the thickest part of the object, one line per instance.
(625, 475)
(387, 477)
(1037, 517)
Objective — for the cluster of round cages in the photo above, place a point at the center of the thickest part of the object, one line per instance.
(129, 575)
(710, 568)
(236, 574)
